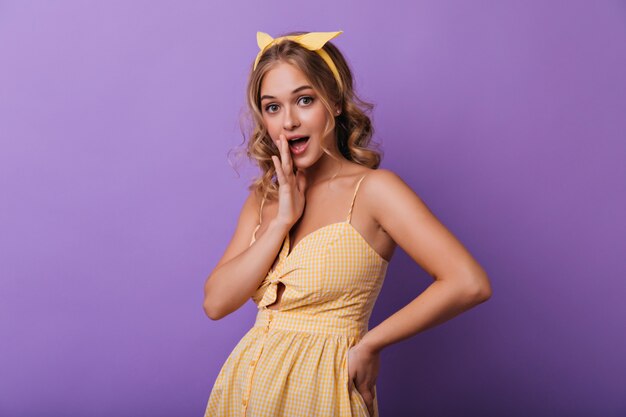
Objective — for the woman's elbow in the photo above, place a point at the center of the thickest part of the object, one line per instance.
(211, 311)
(479, 289)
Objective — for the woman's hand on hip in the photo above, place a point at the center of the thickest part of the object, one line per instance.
(363, 366)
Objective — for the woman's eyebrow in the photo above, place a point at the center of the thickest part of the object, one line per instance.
(303, 87)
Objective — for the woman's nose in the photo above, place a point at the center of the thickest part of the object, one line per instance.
(291, 120)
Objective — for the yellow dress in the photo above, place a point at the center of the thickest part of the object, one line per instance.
(293, 361)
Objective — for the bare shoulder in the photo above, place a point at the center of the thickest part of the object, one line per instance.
(250, 208)
(383, 188)
(381, 178)
(246, 223)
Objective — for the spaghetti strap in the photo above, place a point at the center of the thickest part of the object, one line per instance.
(261, 210)
(260, 218)
(354, 197)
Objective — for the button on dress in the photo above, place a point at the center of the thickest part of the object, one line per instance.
(293, 362)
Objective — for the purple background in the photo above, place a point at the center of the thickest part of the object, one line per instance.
(118, 197)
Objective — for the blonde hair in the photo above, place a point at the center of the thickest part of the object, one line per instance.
(353, 126)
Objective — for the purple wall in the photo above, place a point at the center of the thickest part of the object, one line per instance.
(117, 197)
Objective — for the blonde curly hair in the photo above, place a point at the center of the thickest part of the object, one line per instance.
(353, 127)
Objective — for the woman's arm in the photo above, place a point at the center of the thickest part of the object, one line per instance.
(460, 282)
(242, 268)
(240, 271)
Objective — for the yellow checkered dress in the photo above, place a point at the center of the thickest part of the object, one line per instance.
(293, 361)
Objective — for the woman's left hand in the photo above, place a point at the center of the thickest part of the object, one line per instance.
(363, 365)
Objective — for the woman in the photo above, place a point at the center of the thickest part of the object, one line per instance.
(312, 248)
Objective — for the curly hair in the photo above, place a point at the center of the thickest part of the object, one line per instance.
(353, 127)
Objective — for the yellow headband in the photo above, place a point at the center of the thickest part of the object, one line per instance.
(313, 41)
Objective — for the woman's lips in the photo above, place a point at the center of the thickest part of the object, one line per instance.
(298, 147)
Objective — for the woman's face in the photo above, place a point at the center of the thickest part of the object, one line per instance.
(290, 106)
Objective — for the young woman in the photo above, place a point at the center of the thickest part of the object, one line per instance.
(312, 247)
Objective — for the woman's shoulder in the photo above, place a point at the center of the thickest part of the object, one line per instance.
(379, 178)
(381, 184)
(261, 202)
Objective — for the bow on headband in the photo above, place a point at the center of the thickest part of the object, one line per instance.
(313, 41)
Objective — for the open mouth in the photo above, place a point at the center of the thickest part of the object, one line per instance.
(298, 145)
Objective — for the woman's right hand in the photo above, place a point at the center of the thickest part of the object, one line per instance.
(291, 187)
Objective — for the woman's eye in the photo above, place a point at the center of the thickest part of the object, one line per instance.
(271, 108)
